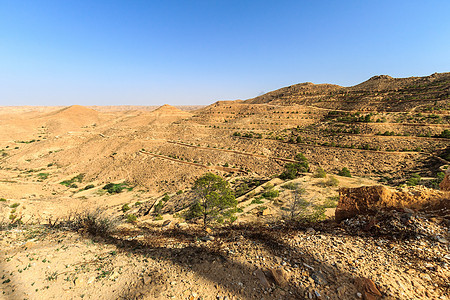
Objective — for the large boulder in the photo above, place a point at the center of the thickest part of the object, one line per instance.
(370, 199)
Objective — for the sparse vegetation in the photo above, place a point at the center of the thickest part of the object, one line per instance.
(94, 222)
(70, 183)
(331, 181)
(131, 218)
(320, 173)
(444, 134)
(89, 186)
(292, 170)
(271, 194)
(43, 176)
(345, 172)
(414, 180)
(125, 208)
(115, 188)
(297, 204)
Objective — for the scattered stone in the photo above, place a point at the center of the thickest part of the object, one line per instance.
(78, 282)
(367, 288)
(319, 279)
(29, 245)
(147, 279)
(262, 278)
(182, 225)
(310, 230)
(207, 238)
(280, 277)
(441, 240)
(341, 292)
(267, 212)
(114, 275)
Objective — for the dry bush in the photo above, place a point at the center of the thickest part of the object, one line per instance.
(95, 222)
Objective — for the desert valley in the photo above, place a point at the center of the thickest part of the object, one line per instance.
(338, 193)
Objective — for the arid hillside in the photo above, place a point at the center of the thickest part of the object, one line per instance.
(392, 130)
(70, 175)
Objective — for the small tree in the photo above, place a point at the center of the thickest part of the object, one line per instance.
(297, 205)
(214, 195)
(292, 170)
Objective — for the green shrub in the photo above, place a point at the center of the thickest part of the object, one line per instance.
(270, 194)
(435, 183)
(413, 180)
(194, 211)
(444, 134)
(345, 172)
(125, 208)
(179, 192)
(330, 202)
(2, 200)
(332, 181)
(320, 173)
(115, 188)
(14, 205)
(256, 201)
(43, 176)
(158, 217)
(131, 218)
(290, 186)
(292, 170)
(68, 183)
(89, 186)
(158, 207)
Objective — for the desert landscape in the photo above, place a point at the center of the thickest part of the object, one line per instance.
(322, 192)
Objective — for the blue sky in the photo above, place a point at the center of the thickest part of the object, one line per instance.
(108, 52)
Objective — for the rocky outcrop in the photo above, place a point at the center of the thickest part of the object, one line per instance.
(370, 199)
(445, 183)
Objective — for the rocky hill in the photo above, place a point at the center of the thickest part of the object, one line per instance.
(379, 93)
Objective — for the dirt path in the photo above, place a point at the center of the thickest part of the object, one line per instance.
(219, 168)
(343, 149)
(235, 152)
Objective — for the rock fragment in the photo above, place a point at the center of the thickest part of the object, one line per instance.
(367, 288)
(280, 277)
(262, 278)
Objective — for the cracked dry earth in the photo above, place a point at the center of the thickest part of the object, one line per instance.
(241, 262)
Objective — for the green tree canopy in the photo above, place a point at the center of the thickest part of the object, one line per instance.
(292, 170)
(214, 195)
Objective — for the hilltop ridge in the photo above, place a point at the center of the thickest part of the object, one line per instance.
(380, 92)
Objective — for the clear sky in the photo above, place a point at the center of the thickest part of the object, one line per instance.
(107, 52)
